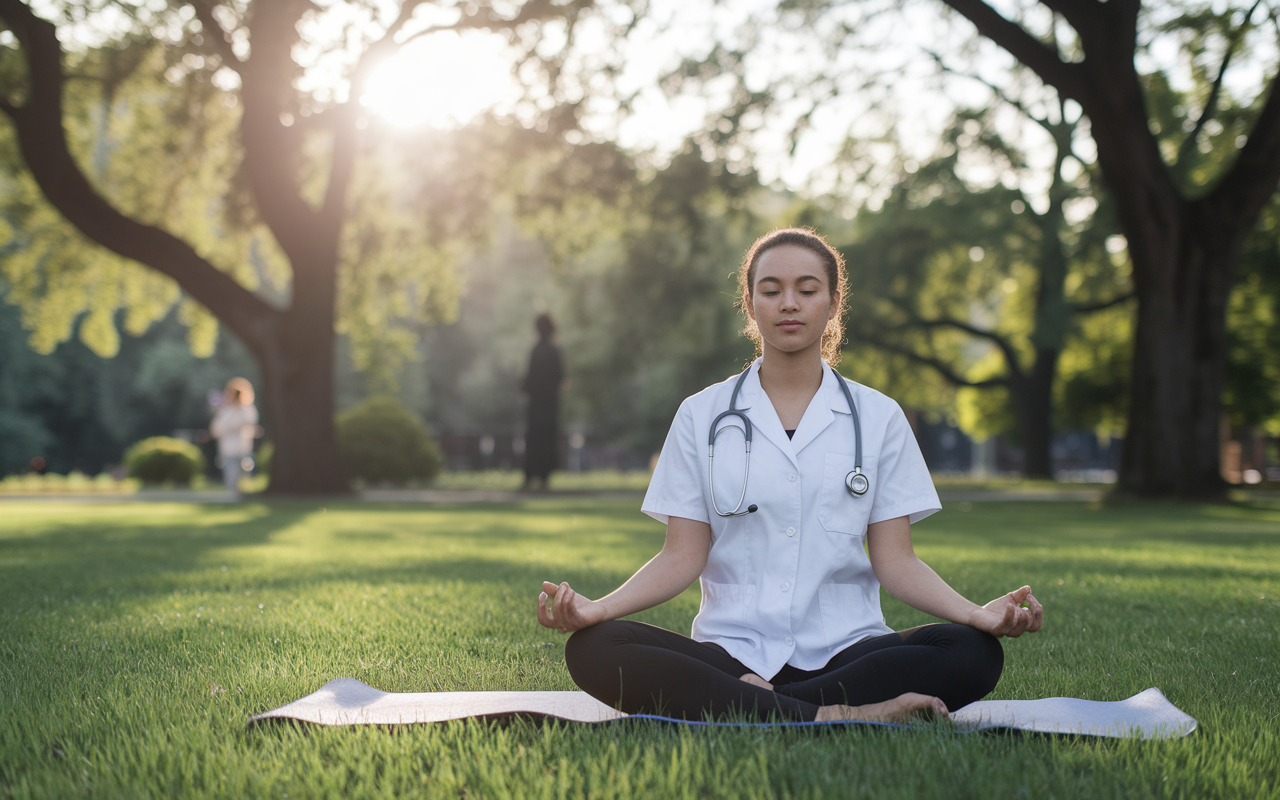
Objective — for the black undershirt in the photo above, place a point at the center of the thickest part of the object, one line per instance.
(791, 433)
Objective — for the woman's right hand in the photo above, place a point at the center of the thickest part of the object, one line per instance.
(565, 610)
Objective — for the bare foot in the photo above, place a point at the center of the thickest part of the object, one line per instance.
(756, 680)
(900, 709)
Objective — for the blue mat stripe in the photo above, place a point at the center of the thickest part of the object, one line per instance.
(706, 724)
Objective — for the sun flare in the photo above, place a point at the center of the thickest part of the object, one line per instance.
(443, 80)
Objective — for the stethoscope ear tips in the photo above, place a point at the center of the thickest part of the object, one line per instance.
(753, 508)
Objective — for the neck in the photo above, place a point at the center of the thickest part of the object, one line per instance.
(799, 372)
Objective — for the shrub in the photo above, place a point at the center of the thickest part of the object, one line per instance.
(162, 459)
(382, 441)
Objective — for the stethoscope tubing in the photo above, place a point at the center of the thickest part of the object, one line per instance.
(711, 450)
(856, 482)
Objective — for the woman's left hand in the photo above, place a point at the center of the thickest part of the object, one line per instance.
(1005, 616)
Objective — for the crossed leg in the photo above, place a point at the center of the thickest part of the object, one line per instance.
(642, 669)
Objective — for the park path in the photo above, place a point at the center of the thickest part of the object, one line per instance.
(429, 496)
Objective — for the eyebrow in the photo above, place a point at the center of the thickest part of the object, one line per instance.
(772, 279)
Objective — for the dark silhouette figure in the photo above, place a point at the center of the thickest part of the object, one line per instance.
(542, 383)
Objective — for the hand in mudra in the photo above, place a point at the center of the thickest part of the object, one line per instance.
(1005, 616)
(565, 610)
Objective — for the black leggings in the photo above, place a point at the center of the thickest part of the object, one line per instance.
(642, 669)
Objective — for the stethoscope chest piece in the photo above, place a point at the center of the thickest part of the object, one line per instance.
(857, 483)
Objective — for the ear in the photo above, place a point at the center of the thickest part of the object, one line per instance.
(835, 305)
(747, 305)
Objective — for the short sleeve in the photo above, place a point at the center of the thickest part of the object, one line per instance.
(675, 490)
(903, 485)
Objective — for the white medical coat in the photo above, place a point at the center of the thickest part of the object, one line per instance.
(790, 583)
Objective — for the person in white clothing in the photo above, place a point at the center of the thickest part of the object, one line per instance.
(790, 625)
(234, 425)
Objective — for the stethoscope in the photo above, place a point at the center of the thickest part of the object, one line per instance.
(855, 482)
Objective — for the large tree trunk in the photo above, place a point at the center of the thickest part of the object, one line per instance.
(1172, 444)
(297, 391)
(1034, 402)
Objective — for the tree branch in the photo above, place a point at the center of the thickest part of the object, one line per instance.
(271, 149)
(1089, 308)
(996, 90)
(387, 42)
(1211, 104)
(214, 34)
(941, 367)
(1077, 14)
(1010, 355)
(1249, 184)
(1063, 76)
(42, 141)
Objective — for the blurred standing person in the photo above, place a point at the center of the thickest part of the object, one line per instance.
(234, 425)
(542, 383)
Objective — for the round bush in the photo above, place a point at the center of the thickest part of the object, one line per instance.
(162, 459)
(381, 441)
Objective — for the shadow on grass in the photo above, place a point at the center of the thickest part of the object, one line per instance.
(89, 553)
(125, 554)
(132, 555)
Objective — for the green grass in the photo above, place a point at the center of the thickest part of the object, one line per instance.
(510, 479)
(136, 639)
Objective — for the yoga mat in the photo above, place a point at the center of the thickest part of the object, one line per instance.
(346, 701)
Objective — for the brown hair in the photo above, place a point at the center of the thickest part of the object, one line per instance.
(837, 281)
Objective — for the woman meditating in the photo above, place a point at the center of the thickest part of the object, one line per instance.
(789, 493)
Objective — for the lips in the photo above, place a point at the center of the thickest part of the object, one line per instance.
(790, 325)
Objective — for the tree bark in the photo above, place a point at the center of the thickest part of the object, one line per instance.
(297, 373)
(1034, 402)
(1172, 444)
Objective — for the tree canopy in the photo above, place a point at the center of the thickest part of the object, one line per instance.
(183, 137)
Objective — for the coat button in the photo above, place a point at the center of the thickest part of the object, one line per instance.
(791, 477)
(786, 586)
(791, 531)
(790, 641)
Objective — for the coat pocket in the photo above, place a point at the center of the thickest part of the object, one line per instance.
(838, 510)
(838, 607)
(728, 601)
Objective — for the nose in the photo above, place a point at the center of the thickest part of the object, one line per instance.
(790, 300)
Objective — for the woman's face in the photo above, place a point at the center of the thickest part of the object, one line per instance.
(791, 299)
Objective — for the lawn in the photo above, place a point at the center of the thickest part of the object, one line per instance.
(135, 640)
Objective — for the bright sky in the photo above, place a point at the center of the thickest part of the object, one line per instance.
(442, 80)
(446, 80)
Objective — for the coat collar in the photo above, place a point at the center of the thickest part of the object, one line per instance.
(821, 412)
